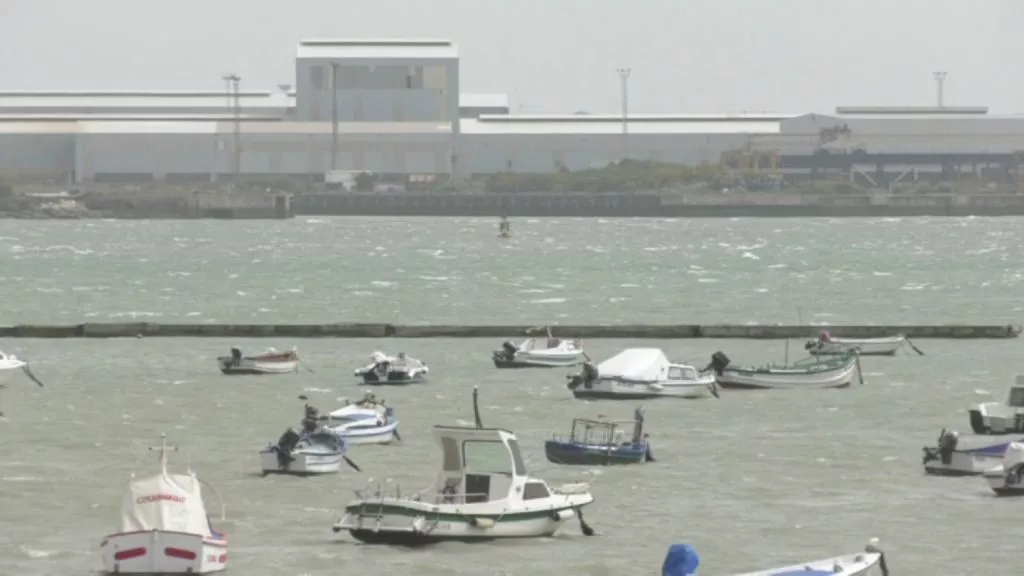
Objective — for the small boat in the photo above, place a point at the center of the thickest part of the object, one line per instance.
(547, 352)
(809, 373)
(948, 458)
(269, 362)
(396, 370)
(827, 345)
(482, 493)
(1008, 478)
(1001, 417)
(600, 443)
(504, 228)
(683, 560)
(368, 421)
(317, 450)
(640, 374)
(164, 527)
(9, 364)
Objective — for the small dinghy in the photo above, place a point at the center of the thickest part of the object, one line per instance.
(948, 458)
(270, 362)
(11, 364)
(164, 527)
(482, 493)
(316, 450)
(395, 371)
(683, 560)
(368, 421)
(641, 374)
(1008, 478)
(539, 353)
(809, 373)
(1001, 417)
(601, 443)
(827, 345)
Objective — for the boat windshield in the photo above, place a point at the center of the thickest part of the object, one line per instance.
(682, 373)
(492, 457)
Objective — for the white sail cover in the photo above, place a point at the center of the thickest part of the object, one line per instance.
(171, 502)
(1014, 455)
(637, 364)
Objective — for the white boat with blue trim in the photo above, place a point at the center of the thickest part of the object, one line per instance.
(164, 527)
(949, 458)
(683, 560)
(808, 374)
(368, 421)
(828, 345)
(482, 493)
(316, 450)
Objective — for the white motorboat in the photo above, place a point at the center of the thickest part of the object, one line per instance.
(547, 352)
(11, 364)
(827, 345)
(316, 450)
(1008, 478)
(482, 492)
(397, 370)
(164, 527)
(1001, 417)
(368, 421)
(639, 374)
(949, 458)
(269, 362)
(809, 373)
(683, 560)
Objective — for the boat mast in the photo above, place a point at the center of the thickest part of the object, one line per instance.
(163, 448)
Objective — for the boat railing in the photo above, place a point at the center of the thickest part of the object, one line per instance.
(428, 495)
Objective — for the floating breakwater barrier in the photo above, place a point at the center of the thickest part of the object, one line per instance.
(371, 330)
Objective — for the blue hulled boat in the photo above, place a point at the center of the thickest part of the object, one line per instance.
(598, 442)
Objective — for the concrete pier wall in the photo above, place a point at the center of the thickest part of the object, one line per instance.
(659, 332)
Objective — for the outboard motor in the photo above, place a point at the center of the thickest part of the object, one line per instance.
(810, 345)
(382, 368)
(509, 349)
(947, 445)
(310, 422)
(719, 361)
(285, 444)
(236, 356)
(588, 373)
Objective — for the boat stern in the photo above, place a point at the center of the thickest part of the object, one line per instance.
(163, 552)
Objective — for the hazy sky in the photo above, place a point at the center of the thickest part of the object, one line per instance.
(550, 55)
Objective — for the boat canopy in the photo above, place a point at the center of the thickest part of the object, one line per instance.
(479, 450)
(170, 502)
(637, 364)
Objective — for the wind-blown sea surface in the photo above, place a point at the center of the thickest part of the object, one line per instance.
(753, 480)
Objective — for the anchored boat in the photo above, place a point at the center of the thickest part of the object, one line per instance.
(368, 421)
(948, 458)
(270, 362)
(827, 345)
(9, 364)
(483, 492)
(539, 353)
(640, 374)
(398, 370)
(810, 373)
(316, 450)
(1008, 478)
(164, 527)
(683, 560)
(1001, 417)
(601, 442)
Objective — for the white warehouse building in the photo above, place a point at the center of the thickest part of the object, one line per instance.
(396, 108)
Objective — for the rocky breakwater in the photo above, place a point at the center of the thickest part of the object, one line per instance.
(383, 330)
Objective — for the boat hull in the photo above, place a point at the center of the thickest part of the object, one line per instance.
(618, 389)
(163, 552)
(397, 525)
(781, 378)
(572, 454)
(863, 346)
(526, 360)
(376, 435)
(254, 368)
(394, 378)
(303, 463)
(850, 565)
(973, 462)
(997, 480)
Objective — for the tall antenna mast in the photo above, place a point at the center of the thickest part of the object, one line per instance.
(163, 448)
(624, 80)
(940, 87)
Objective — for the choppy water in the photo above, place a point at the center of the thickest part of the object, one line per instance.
(752, 480)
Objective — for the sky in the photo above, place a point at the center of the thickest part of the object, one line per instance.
(790, 56)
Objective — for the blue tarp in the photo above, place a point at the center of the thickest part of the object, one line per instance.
(681, 560)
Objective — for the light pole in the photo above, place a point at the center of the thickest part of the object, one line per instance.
(231, 82)
(334, 116)
(940, 86)
(624, 79)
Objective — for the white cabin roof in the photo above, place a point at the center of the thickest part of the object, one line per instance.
(452, 441)
(641, 364)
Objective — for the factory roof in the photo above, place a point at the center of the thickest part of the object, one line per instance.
(214, 126)
(379, 49)
(183, 99)
(584, 125)
(473, 100)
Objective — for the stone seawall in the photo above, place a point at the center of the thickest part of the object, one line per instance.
(632, 331)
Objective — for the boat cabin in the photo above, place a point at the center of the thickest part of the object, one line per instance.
(481, 465)
(682, 372)
(603, 432)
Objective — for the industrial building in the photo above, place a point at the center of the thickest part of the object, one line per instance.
(395, 107)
